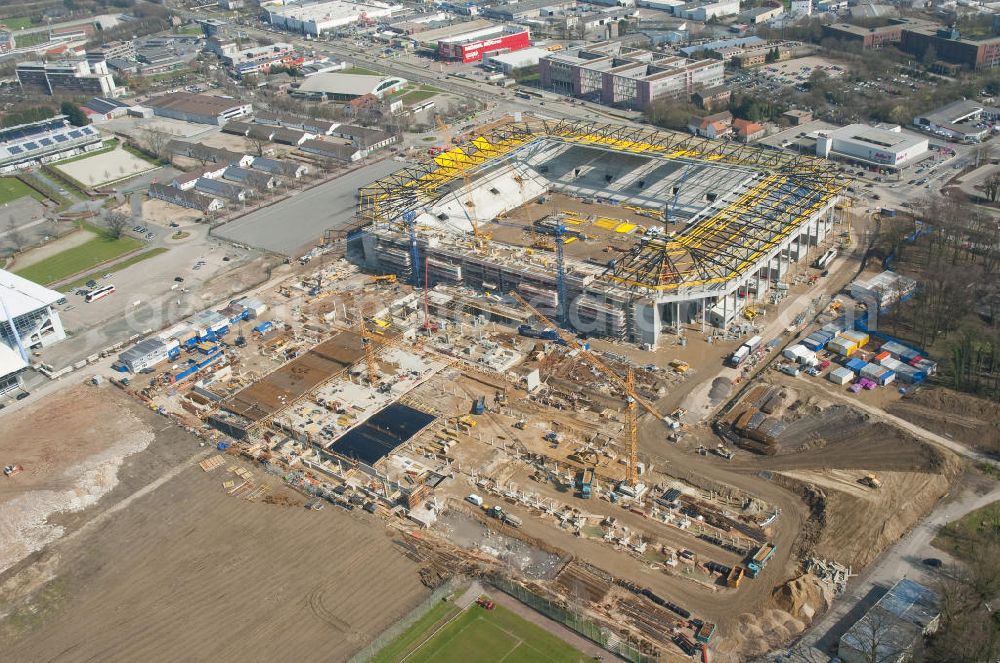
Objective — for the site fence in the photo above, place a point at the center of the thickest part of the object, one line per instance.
(623, 646)
(397, 629)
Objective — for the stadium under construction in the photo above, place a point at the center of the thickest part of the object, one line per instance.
(618, 231)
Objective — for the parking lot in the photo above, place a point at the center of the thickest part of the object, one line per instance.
(779, 75)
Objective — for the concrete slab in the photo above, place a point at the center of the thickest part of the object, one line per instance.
(292, 225)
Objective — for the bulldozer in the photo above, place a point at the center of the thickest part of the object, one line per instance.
(871, 481)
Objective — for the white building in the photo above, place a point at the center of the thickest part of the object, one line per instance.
(319, 17)
(801, 8)
(30, 306)
(704, 11)
(508, 62)
(871, 146)
(345, 87)
(147, 353)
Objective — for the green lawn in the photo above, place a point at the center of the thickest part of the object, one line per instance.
(33, 39)
(420, 629)
(12, 188)
(487, 636)
(100, 248)
(17, 23)
(360, 70)
(417, 96)
(116, 267)
(963, 536)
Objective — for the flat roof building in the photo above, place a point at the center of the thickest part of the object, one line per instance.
(871, 146)
(508, 62)
(949, 46)
(616, 76)
(345, 87)
(199, 108)
(958, 120)
(473, 45)
(318, 17)
(893, 627)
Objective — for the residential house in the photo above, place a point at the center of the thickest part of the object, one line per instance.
(747, 131)
(184, 198)
(712, 126)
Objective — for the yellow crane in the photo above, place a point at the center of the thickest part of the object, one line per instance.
(626, 384)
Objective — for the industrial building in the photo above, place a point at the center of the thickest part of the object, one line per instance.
(949, 46)
(472, 46)
(958, 120)
(893, 628)
(316, 18)
(198, 108)
(508, 62)
(871, 146)
(345, 87)
(70, 77)
(682, 229)
(31, 307)
(618, 76)
(26, 145)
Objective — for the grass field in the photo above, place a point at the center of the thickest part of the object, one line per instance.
(33, 39)
(118, 266)
(484, 636)
(16, 23)
(100, 248)
(963, 536)
(419, 630)
(12, 188)
(417, 96)
(361, 71)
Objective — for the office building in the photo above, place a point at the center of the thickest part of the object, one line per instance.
(616, 76)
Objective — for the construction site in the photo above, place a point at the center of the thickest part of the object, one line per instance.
(618, 231)
(503, 410)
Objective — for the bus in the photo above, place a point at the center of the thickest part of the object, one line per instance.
(99, 293)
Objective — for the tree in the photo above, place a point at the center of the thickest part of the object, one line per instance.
(76, 116)
(156, 142)
(992, 187)
(257, 143)
(930, 56)
(116, 223)
(873, 639)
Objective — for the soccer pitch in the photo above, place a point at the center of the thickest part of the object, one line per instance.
(492, 636)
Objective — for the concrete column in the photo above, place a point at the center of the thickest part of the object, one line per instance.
(704, 305)
(647, 322)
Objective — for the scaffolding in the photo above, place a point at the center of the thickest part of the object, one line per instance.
(733, 235)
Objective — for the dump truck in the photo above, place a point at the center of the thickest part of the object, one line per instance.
(585, 483)
(705, 632)
(735, 576)
(760, 559)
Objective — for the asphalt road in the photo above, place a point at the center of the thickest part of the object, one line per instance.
(291, 225)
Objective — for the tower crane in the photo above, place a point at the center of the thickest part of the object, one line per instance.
(626, 385)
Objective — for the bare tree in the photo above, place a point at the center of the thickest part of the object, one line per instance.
(157, 141)
(257, 143)
(991, 187)
(116, 223)
(873, 637)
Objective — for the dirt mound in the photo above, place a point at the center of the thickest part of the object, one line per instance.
(803, 597)
(720, 390)
(968, 419)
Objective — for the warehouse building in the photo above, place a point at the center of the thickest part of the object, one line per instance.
(508, 62)
(617, 76)
(958, 120)
(31, 307)
(871, 146)
(345, 87)
(472, 46)
(185, 198)
(199, 108)
(317, 18)
(26, 145)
